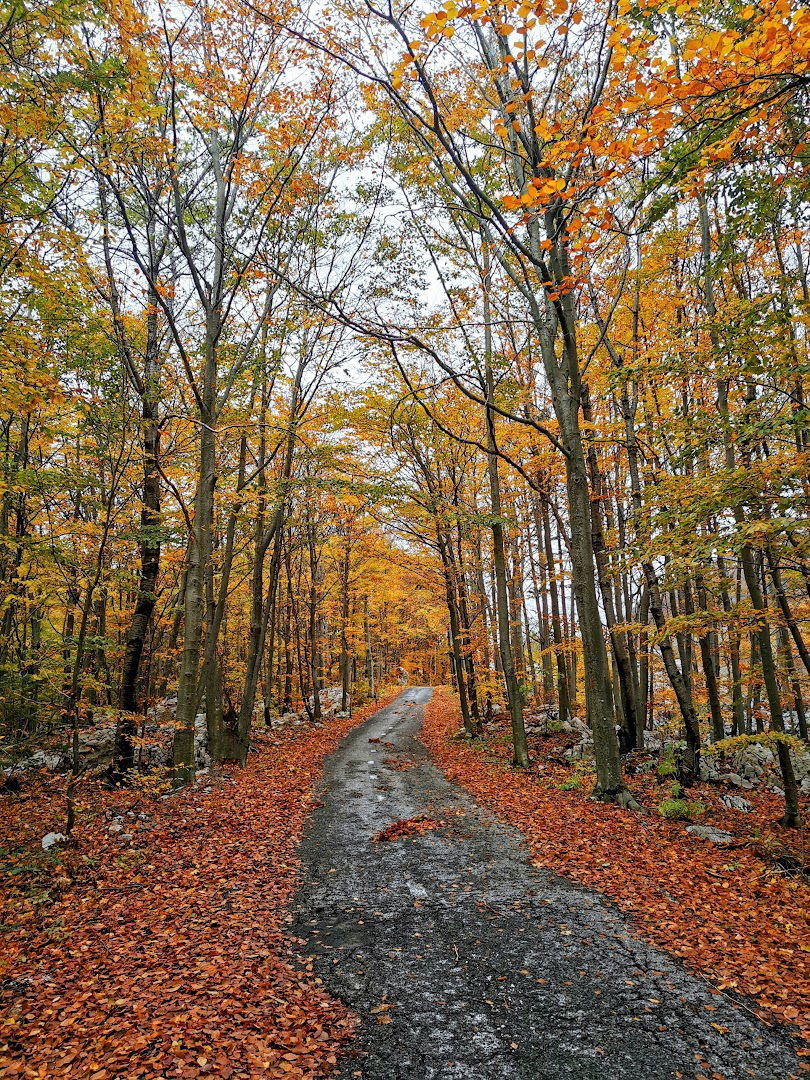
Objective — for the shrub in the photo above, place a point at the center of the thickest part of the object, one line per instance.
(666, 766)
(581, 777)
(571, 784)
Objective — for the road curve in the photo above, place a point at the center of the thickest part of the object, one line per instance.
(465, 961)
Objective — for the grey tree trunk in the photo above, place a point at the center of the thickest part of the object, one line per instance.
(345, 669)
(199, 560)
(710, 674)
(542, 523)
(372, 690)
(628, 719)
(520, 752)
(763, 632)
(737, 707)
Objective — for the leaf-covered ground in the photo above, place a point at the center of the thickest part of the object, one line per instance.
(164, 956)
(725, 911)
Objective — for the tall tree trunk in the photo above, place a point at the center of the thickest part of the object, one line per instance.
(737, 707)
(148, 546)
(456, 643)
(645, 672)
(372, 690)
(273, 533)
(520, 752)
(710, 673)
(656, 605)
(784, 607)
(542, 524)
(763, 633)
(345, 671)
(629, 723)
(468, 660)
(540, 594)
(197, 575)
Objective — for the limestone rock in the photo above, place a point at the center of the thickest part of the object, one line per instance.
(736, 802)
(708, 832)
(51, 839)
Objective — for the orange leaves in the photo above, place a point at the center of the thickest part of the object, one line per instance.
(412, 827)
(166, 958)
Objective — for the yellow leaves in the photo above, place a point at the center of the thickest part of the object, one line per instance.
(436, 24)
(543, 128)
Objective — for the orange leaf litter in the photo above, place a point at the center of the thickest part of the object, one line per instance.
(165, 957)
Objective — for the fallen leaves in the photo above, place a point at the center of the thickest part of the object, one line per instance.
(382, 1012)
(414, 826)
(751, 937)
(400, 764)
(167, 958)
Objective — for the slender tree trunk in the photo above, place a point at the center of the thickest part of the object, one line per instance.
(543, 527)
(372, 690)
(763, 633)
(710, 674)
(345, 672)
(737, 707)
(148, 548)
(677, 679)
(629, 723)
(197, 574)
(645, 672)
(541, 613)
(784, 607)
(456, 643)
(793, 682)
(520, 752)
(468, 659)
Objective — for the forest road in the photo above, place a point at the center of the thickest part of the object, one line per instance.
(465, 961)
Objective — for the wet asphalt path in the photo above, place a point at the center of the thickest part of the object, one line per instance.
(479, 965)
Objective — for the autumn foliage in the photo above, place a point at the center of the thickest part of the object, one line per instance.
(443, 341)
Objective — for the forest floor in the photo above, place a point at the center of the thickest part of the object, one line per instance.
(153, 945)
(445, 923)
(431, 918)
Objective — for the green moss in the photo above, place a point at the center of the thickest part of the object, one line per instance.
(680, 809)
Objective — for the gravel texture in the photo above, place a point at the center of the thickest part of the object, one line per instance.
(465, 961)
